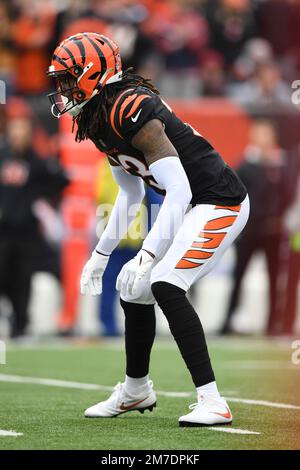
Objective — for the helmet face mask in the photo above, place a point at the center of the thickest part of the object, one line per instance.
(67, 95)
(81, 66)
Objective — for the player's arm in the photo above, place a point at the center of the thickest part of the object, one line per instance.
(130, 195)
(166, 167)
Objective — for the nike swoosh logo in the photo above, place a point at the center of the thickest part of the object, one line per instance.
(123, 407)
(224, 415)
(134, 119)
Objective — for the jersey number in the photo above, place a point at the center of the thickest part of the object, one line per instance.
(132, 164)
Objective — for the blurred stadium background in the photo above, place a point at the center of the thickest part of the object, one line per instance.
(228, 67)
(225, 67)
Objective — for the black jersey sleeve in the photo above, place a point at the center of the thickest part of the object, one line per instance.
(132, 110)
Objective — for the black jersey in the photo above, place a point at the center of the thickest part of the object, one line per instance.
(211, 180)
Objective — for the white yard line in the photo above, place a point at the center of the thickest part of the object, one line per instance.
(53, 382)
(87, 386)
(10, 433)
(233, 430)
(271, 404)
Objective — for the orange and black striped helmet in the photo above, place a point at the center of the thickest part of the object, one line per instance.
(81, 66)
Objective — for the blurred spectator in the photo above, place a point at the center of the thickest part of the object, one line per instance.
(24, 179)
(178, 43)
(125, 20)
(2, 127)
(77, 16)
(265, 88)
(181, 35)
(7, 53)
(32, 32)
(275, 17)
(189, 47)
(119, 19)
(264, 174)
(290, 297)
(231, 24)
(256, 52)
(277, 22)
(212, 74)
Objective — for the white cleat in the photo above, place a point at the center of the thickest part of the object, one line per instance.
(207, 412)
(121, 402)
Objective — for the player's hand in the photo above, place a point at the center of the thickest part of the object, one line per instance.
(133, 272)
(145, 261)
(91, 277)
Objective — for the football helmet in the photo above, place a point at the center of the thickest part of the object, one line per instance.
(81, 66)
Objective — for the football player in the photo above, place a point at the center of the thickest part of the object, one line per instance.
(204, 209)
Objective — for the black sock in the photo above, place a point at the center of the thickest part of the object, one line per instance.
(139, 336)
(187, 330)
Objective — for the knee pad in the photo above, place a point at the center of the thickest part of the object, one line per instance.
(144, 296)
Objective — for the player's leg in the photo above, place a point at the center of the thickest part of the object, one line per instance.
(139, 336)
(244, 251)
(291, 297)
(136, 392)
(22, 263)
(204, 236)
(276, 251)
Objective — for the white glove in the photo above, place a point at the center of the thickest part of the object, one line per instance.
(91, 277)
(133, 272)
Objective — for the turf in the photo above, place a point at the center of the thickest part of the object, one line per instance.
(52, 417)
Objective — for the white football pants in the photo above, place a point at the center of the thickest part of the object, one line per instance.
(202, 239)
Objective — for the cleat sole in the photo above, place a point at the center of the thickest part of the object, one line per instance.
(141, 410)
(188, 424)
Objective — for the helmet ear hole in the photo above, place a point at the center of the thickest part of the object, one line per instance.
(77, 71)
(80, 95)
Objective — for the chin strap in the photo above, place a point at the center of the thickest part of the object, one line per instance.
(78, 107)
(75, 110)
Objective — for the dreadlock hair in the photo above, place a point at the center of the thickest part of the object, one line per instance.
(95, 111)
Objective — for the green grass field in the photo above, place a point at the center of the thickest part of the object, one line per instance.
(51, 416)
